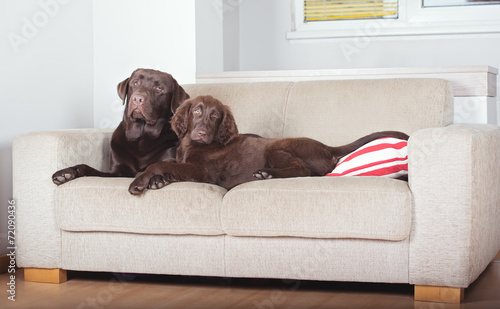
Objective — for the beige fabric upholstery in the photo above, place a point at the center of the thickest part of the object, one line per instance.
(104, 204)
(317, 259)
(319, 207)
(265, 257)
(258, 108)
(338, 112)
(334, 112)
(36, 156)
(454, 176)
(452, 191)
(139, 253)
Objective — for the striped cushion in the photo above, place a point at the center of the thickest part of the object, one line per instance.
(382, 157)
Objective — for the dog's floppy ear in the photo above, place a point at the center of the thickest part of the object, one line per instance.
(180, 120)
(123, 90)
(178, 95)
(227, 130)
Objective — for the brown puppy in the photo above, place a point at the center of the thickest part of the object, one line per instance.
(144, 136)
(212, 151)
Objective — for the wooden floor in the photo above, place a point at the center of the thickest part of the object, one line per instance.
(106, 290)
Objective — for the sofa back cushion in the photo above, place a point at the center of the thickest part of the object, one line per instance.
(258, 108)
(338, 112)
(334, 112)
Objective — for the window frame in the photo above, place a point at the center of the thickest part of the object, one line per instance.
(413, 20)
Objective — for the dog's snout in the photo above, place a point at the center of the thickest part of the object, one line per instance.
(138, 99)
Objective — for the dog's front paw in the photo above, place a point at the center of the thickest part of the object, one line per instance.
(65, 175)
(157, 182)
(143, 181)
(139, 185)
(261, 175)
(136, 189)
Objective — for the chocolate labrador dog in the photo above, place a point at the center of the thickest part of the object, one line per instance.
(144, 136)
(212, 151)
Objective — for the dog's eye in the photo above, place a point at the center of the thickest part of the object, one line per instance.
(197, 111)
(215, 116)
(159, 88)
(136, 83)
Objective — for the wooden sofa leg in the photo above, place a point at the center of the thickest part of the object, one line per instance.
(439, 294)
(54, 275)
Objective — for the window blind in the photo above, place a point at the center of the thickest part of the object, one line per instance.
(322, 10)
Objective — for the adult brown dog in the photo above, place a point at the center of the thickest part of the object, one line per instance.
(212, 151)
(144, 136)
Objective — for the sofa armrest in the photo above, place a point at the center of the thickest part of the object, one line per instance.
(36, 156)
(454, 177)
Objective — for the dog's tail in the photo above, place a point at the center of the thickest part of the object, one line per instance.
(341, 151)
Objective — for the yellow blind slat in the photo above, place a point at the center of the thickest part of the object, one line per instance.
(316, 10)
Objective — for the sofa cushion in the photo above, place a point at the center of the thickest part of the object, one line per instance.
(337, 112)
(319, 207)
(258, 108)
(104, 204)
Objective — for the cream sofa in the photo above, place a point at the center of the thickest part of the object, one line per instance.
(439, 229)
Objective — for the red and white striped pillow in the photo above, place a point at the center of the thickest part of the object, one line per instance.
(382, 157)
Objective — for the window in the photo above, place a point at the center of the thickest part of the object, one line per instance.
(323, 10)
(352, 18)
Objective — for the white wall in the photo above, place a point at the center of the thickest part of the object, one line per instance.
(62, 59)
(217, 35)
(209, 36)
(263, 46)
(45, 77)
(131, 34)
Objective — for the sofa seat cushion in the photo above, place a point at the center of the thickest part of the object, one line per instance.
(104, 204)
(319, 207)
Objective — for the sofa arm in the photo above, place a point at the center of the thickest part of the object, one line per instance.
(454, 177)
(36, 156)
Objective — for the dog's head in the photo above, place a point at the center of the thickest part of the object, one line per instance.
(205, 120)
(150, 97)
